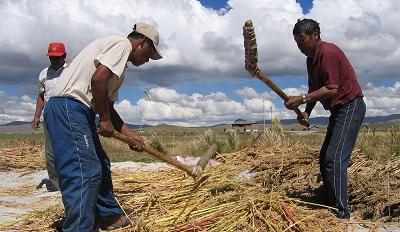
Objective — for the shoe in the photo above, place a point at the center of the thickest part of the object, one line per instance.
(43, 182)
(57, 224)
(114, 222)
(339, 215)
(50, 185)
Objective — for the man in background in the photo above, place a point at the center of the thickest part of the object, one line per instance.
(333, 82)
(47, 80)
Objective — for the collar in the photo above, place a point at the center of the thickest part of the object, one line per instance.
(64, 66)
(316, 50)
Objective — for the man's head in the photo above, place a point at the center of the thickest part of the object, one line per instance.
(144, 39)
(306, 33)
(56, 54)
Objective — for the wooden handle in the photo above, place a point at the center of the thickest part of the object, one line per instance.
(158, 155)
(260, 75)
(251, 60)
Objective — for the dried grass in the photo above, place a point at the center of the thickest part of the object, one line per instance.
(22, 159)
(280, 196)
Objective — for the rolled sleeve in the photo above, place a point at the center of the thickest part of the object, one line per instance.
(42, 80)
(115, 58)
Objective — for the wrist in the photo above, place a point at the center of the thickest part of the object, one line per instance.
(104, 118)
(303, 98)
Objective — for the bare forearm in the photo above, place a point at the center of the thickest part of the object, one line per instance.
(320, 94)
(310, 98)
(119, 124)
(127, 131)
(116, 120)
(100, 92)
(309, 107)
(139, 146)
(39, 106)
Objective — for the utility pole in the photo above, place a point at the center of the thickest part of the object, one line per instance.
(173, 142)
(271, 115)
(263, 115)
(140, 121)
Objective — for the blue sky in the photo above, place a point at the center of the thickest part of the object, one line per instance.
(202, 73)
(218, 4)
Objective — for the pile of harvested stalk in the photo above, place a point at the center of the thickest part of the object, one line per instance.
(294, 169)
(223, 200)
(269, 186)
(22, 159)
(374, 188)
(167, 200)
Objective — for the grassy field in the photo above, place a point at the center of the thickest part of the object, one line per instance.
(168, 140)
(172, 140)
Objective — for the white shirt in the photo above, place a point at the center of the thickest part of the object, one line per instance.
(48, 79)
(75, 81)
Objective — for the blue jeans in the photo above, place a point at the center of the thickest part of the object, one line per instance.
(344, 124)
(82, 166)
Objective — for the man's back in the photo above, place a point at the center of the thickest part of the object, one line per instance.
(75, 81)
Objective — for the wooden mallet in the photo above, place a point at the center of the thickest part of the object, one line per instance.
(251, 60)
(193, 171)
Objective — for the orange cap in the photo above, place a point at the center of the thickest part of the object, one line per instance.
(56, 49)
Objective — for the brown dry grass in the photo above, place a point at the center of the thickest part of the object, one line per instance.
(280, 197)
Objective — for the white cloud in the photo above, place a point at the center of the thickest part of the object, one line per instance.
(247, 92)
(215, 108)
(364, 30)
(296, 91)
(172, 107)
(164, 94)
(202, 39)
(382, 100)
(16, 109)
(258, 105)
(196, 41)
(196, 110)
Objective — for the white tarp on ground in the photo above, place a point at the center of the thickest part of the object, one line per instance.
(14, 203)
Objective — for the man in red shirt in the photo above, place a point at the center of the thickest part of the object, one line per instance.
(332, 81)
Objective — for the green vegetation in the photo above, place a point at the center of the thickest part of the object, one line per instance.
(156, 144)
(20, 140)
(380, 144)
(172, 140)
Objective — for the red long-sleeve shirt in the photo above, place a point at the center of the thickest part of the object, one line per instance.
(330, 68)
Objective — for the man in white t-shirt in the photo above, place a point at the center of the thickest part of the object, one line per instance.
(47, 80)
(89, 86)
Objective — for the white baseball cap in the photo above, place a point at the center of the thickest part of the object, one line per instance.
(151, 33)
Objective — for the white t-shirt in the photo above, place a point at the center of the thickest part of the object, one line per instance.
(75, 81)
(48, 79)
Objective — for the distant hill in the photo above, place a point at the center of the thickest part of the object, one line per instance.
(132, 126)
(325, 120)
(380, 119)
(17, 123)
(25, 127)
